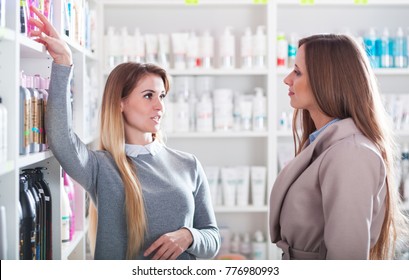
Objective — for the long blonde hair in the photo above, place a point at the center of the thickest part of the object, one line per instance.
(120, 83)
(345, 86)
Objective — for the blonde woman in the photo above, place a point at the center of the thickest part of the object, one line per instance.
(152, 202)
(336, 199)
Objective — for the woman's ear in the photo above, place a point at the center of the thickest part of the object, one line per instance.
(122, 106)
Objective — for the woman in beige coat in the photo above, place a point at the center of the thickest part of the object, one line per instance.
(336, 199)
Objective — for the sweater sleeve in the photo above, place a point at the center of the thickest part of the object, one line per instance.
(206, 236)
(352, 179)
(73, 155)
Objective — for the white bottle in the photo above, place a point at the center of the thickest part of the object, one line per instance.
(65, 215)
(292, 49)
(163, 50)
(259, 110)
(181, 115)
(113, 49)
(192, 50)
(282, 50)
(223, 109)
(227, 49)
(246, 112)
(246, 50)
(400, 56)
(235, 244)
(204, 114)
(151, 43)
(126, 45)
(206, 50)
(260, 48)
(245, 246)
(138, 46)
(259, 247)
(3, 132)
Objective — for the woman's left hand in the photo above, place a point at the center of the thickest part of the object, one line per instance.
(170, 245)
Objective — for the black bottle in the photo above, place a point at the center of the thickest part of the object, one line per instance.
(48, 213)
(27, 230)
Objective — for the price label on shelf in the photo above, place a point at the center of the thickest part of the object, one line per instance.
(191, 2)
(307, 2)
(260, 2)
(360, 2)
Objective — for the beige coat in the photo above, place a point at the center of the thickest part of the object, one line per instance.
(329, 201)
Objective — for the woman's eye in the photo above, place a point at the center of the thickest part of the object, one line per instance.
(148, 96)
(162, 96)
(297, 72)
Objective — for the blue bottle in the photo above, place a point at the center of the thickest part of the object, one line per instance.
(384, 46)
(400, 50)
(369, 42)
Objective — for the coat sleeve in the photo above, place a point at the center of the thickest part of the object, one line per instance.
(352, 180)
(73, 155)
(206, 236)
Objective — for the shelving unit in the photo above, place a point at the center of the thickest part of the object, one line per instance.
(302, 17)
(20, 53)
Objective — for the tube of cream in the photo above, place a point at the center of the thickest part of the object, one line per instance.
(212, 174)
(229, 179)
(243, 185)
(258, 185)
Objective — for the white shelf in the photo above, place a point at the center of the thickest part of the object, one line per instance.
(237, 209)
(219, 72)
(223, 134)
(377, 71)
(358, 3)
(30, 48)
(26, 160)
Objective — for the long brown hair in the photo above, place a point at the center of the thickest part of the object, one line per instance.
(345, 86)
(120, 83)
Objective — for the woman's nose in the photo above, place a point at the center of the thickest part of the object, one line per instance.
(158, 104)
(287, 79)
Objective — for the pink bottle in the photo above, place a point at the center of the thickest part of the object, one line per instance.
(69, 188)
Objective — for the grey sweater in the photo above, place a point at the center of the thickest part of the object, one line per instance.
(174, 185)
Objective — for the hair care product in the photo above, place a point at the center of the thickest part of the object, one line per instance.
(282, 50)
(369, 41)
(259, 247)
(229, 186)
(243, 185)
(48, 212)
(26, 134)
(65, 215)
(212, 174)
(258, 185)
(164, 50)
(292, 49)
(383, 46)
(39, 209)
(246, 49)
(206, 50)
(27, 229)
(192, 50)
(400, 55)
(245, 246)
(179, 43)
(35, 144)
(260, 48)
(223, 109)
(259, 110)
(151, 41)
(204, 114)
(139, 46)
(227, 49)
(246, 112)
(69, 188)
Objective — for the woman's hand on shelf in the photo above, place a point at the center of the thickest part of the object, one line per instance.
(47, 35)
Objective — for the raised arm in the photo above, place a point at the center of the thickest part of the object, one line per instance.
(73, 155)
